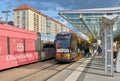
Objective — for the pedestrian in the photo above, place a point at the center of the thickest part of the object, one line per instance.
(114, 52)
(94, 48)
(99, 50)
(87, 52)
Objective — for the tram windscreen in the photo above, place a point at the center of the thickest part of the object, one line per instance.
(62, 41)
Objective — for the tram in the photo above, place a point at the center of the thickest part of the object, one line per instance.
(19, 47)
(68, 47)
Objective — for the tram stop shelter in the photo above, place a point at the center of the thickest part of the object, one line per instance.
(98, 23)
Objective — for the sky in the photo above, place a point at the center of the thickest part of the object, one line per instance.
(51, 7)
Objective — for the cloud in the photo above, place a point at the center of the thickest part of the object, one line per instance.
(66, 4)
(51, 7)
(54, 5)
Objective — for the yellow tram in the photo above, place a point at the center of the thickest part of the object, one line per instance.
(68, 47)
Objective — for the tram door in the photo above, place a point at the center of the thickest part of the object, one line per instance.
(74, 48)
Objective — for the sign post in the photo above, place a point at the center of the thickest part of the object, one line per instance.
(108, 21)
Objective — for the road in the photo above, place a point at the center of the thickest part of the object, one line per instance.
(40, 71)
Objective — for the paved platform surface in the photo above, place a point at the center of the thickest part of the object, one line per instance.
(86, 69)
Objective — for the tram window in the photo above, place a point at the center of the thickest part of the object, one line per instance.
(74, 46)
(52, 46)
(109, 13)
(46, 46)
(80, 46)
(94, 41)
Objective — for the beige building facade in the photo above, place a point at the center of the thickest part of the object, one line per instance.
(28, 18)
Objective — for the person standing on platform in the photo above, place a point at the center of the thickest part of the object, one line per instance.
(94, 48)
(99, 50)
(87, 52)
(114, 52)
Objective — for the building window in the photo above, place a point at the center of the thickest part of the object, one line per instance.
(23, 21)
(37, 16)
(24, 12)
(18, 12)
(18, 17)
(23, 26)
(18, 22)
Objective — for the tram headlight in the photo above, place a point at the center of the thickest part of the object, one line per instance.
(69, 55)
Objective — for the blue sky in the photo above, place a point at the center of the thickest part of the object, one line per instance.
(51, 7)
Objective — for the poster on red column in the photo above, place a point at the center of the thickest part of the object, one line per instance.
(16, 45)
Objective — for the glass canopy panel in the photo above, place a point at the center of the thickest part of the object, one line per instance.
(93, 19)
(75, 20)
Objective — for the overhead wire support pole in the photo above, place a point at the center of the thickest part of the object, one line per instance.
(83, 20)
(6, 11)
(7, 14)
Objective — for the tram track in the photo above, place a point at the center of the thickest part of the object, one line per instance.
(55, 73)
(35, 72)
(41, 71)
(73, 68)
(52, 67)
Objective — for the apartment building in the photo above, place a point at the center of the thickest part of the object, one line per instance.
(29, 18)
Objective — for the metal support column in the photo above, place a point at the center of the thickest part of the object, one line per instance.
(108, 21)
(84, 22)
(103, 47)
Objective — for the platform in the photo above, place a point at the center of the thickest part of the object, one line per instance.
(86, 69)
